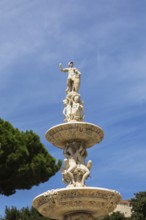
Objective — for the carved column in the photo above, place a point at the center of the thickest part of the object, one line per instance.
(75, 171)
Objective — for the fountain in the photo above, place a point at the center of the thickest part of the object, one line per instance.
(77, 201)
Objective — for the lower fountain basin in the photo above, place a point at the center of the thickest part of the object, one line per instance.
(57, 203)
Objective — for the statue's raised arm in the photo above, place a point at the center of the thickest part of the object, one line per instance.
(73, 80)
(62, 69)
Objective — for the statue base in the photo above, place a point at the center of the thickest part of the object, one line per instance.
(67, 203)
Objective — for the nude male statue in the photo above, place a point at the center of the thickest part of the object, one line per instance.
(73, 80)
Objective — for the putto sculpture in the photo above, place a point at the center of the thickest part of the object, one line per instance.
(77, 201)
(73, 107)
(75, 171)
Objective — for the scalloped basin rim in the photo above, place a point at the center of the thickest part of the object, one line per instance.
(89, 134)
(80, 188)
(57, 203)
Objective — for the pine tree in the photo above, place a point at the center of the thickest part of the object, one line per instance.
(23, 214)
(115, 216)
(138, 204)
(24, 161)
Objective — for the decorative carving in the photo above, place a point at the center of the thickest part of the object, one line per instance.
(58, 203)
(49, 197)
(73, 80)
(88, 133)
(79, 216)
(75, 171)
(73, 107)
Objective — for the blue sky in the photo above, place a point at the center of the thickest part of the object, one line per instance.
(107, 41)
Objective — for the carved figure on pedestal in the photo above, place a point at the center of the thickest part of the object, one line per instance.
(75, 171)
(67, 110)
(70, 163)
(77, 109)
(67, 173)
(82, 172)
(73, 80)
(74, 109)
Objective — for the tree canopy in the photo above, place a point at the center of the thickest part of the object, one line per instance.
(138, 204)
(24, 161)
(115, 216)
(23, 214)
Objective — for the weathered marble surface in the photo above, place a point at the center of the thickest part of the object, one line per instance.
(76, 201)
(89, 134)
(73, 79)
(73, 107)
(75, 171)
(79, 216)
(58, 203)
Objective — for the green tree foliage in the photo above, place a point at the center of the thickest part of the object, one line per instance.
(24, 161)
(22, 214)
(138, 204)
(115, 216)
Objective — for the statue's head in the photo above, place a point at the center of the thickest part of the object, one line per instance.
(76, 99)
(70, 64)
(65, 102)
